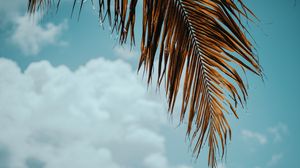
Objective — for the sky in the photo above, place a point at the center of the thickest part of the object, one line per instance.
(70, 96)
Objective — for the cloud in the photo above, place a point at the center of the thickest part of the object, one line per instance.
(10, 9)
(260, 138)
(275, 160)
(99, 115)
(124, 52)
(158, 160)
(26, 32)
(4, 156)
(278, 131)
(221, 165)
(31, 37)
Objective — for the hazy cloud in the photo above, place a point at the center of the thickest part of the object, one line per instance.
(124, 52)
(278, 131)
(9, 10)
(251, 135)
(221, 165)
(275, 159)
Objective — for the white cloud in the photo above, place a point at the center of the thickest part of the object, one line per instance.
(221, 165)
(99, 115)
(278, 131)
(156, 161)
(27, 33)
(260, 138)
(31, 37)
(275, 160)
(125, 52)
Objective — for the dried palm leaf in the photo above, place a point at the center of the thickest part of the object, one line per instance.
(201, 43)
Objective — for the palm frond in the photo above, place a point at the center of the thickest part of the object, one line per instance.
(200, 42)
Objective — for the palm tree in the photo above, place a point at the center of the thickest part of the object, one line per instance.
(201, 44)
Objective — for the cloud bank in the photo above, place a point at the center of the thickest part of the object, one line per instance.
(97, 116)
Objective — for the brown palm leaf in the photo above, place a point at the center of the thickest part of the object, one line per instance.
(201, 43)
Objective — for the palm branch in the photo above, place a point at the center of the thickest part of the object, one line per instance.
(200, 44)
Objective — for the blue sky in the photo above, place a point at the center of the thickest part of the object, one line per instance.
(71, 97)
